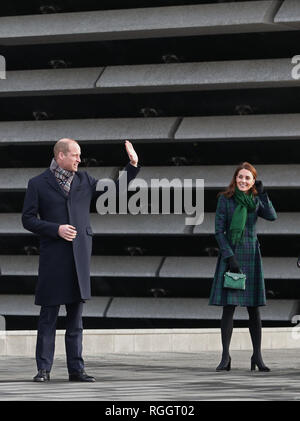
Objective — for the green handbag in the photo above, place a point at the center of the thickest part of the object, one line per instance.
(234, 280)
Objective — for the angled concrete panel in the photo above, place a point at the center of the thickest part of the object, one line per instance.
(244, 127)
(165, 308)
(152, 308)
(147, 266)
(87, 130)
(204, 267)
(139, 224)
(220, 75)
(287, 223)
(17, 178)
(281, 268)
(139, 23)
(19, 265)
(219, 176)
(11, 224)
(96, 307)
(289, 14)
(49, 82)
(282, 226)
(153, 77)
(214, 176)
(23, 305)
(278, 310)
(256, 127)
(190, 308)
(109, 266)
(188, 267)
(13, 305)
(129, 266)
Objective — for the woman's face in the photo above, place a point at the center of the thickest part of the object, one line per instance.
(244, 180)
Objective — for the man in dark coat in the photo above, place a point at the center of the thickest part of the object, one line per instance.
(57, 208)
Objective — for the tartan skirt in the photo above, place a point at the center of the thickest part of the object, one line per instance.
(249, 258)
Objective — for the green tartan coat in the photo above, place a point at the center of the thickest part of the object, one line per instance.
(247, 253)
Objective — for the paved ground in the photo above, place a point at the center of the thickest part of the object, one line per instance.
(157, 377)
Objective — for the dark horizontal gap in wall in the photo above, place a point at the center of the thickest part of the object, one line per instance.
(157, 153)
(154, 104)
(152, 287)
(284, 200)
(31, 322)
(213, 152)
(11, 201)
(156, 245)
(182, 287)
(185, 49)
(18, 284)
(31, 7)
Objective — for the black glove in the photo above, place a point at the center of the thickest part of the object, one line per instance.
(233, 265)
(298, 261)
(259, 186)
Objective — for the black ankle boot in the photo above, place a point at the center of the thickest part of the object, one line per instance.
(224, 365)
(259, 363)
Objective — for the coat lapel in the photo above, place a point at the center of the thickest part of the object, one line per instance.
(75, 184)
(51, 180)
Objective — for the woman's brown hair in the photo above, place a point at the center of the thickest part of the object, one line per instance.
(229, 192)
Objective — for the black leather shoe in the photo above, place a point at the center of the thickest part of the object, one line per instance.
(81, 376)
(42, 376)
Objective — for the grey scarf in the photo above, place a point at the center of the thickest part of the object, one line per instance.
(63, 177)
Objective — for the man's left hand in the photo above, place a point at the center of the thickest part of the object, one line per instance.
(131, 153)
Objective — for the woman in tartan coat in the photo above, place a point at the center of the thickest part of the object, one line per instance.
(236, 215)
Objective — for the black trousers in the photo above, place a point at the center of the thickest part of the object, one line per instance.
(45, 344)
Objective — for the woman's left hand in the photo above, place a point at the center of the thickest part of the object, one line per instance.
(298, 261)
(259, 186)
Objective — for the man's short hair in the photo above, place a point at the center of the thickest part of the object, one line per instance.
(62, 145)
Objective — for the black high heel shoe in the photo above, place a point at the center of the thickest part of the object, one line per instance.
(224, 367)
(259, 365)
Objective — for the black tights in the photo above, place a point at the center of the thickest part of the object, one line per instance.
(254, 328)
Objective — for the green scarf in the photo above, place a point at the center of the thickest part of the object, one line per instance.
(245, 204)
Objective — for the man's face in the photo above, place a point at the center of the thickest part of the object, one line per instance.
(71, 160)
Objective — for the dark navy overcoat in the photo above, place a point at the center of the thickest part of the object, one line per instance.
(64, 266)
